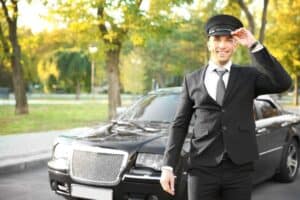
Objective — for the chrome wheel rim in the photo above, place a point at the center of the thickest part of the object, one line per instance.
(292, 160)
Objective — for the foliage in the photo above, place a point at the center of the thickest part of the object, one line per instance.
(39, 49)
(285, 42)
(133, 72)
(168, 43)
(74, 67)
(176, 55)
(47, 70)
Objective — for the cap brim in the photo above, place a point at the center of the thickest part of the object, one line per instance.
(220, 33)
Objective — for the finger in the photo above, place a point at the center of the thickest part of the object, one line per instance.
(171, 189)
(172, 185)
(236, 31)
(240, 32)
(168, 188)
(165, 185)
(236, 38)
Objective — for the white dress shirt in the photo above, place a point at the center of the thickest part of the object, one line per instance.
(211, 77)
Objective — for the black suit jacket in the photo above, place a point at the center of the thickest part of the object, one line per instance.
(233, 121)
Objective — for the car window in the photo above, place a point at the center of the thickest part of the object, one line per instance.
(265, 109)
(154, 107)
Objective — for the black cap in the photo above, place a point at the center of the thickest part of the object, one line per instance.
(222, 25)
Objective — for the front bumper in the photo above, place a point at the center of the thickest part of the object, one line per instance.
(132, 187)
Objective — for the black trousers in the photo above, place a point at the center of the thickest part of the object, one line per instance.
(227, 181)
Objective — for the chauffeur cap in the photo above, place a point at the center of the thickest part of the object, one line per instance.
(222, 25)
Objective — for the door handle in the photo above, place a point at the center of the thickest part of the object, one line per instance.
(285, 124)
(261, 130)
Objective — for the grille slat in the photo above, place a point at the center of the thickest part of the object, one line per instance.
(97, 165)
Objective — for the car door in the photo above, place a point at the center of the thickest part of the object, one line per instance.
(270, 136)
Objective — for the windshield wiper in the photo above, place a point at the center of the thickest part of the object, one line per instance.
(134, 124)
(158, 122)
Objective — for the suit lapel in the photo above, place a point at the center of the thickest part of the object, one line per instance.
(203, 88)
(232, 83)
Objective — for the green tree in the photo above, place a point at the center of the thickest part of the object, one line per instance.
(283, 37)
(181, 51)
(38, 50)
(12, 48)
(47, 72)
(118, 21)
(74, 67)
(5, 70)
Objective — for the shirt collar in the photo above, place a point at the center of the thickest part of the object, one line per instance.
(212, 66)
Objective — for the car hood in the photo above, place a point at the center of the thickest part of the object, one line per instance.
(131, 140)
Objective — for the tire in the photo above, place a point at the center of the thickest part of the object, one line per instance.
(289, 165)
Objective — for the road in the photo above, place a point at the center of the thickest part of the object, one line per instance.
(27, 185)
(277, 191)
(33, 185)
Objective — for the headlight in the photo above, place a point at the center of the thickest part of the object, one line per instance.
(153, 161)
(61, 151)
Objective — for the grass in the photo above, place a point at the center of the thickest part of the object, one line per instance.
(51, 117)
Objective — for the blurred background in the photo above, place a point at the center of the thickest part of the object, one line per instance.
(68, 63)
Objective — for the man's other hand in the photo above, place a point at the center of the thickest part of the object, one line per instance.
(167, 181)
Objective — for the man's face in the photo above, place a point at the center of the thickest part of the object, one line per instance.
(221, 48)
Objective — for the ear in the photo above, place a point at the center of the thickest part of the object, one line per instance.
(208, 43)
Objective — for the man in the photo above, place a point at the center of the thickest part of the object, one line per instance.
(223, 144)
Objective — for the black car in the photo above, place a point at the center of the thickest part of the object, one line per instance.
(122, 160)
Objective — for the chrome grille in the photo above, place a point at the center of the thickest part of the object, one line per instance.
(97, 165)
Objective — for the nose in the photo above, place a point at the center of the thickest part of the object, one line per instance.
(222, 44)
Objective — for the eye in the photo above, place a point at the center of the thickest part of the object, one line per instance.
(216, 39)
(230, 39)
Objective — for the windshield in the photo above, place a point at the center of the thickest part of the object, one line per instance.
(153, 107)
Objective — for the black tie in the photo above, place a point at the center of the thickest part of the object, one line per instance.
(220, 86)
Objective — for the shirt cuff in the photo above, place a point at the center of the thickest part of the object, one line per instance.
(257, 47)
(167, 168)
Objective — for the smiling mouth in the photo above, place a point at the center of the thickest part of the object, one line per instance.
(222, 53)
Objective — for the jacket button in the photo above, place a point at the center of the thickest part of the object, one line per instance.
(224, 128)
(223, 110)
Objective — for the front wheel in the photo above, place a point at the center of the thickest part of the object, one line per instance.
(289, 165)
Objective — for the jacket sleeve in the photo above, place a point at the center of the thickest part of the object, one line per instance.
(270, 75)
(179, 127)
